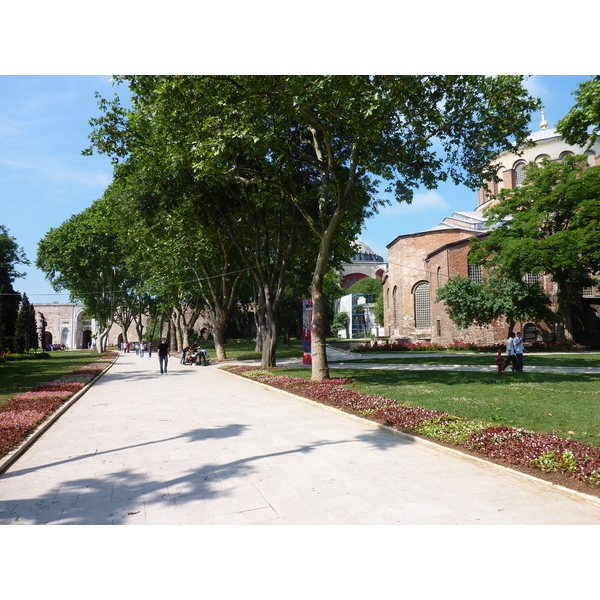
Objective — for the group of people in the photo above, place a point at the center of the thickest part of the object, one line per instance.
(194, 355)
(139, 347)
(189, 356)
(514, 352)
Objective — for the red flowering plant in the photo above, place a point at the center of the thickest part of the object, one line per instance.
(399, 346)
(24, 412)
(514, 446)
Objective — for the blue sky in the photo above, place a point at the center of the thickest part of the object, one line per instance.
(44, 179)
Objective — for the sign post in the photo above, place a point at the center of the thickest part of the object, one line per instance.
(307, 312)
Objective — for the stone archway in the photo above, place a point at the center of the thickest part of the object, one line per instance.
(47, 339)
(86, 341)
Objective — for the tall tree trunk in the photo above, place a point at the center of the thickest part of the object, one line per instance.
(563, 312)
(319, 326)
(102, 340)
(220, 320)
(320, 366)
(267, 320)
(269, 349)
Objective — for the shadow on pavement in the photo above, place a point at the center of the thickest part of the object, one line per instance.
(117, 497)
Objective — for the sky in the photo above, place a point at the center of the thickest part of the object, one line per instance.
(44, 178)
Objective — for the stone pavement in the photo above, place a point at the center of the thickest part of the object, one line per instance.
(338, 358)
(200, 446)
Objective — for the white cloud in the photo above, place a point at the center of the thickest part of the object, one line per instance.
(422, 202)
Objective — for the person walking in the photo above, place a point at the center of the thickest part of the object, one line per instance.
(519, 349)
(163, 355)
(183, 353)
(510, 353)
(150, 349)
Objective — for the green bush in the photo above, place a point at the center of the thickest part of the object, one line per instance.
(17, 356)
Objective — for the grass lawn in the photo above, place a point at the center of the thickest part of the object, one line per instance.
(24, 375)
(245, 350)
(565, 404)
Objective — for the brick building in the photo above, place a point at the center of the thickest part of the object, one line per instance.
(420, 263)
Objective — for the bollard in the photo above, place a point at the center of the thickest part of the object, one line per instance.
(499, 361)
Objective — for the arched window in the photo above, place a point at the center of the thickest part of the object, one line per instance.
(530, 333)
(439, 277)
(474, 272)
(562, 155)
(395, 309)
(588, 292)
(532, 278)
(422, 305)
(540, 157)
(500, 175)
(520, 173)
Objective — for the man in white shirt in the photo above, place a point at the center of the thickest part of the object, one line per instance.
(510, 353)
(519, 349)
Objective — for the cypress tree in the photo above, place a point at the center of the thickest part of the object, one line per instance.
(3, 340)
(43, 324)
(25, 328)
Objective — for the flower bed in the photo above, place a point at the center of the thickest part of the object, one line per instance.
(401, 346)
(568, 460)
(22, 414)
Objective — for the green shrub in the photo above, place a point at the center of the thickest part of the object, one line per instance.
(16, 356)
(556, 461)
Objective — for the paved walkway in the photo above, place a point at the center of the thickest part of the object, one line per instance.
(340, 357)
(200, 446)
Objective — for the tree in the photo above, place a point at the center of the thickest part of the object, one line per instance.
(575, 126)
(11, 255)
(480, 303)
(550, 224)
(43, 325)
(26, 327)
(195, 264)
(84, 256)
(343, 134)
(341, 321)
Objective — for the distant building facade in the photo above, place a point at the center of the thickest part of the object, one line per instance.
(66, 325)
(360, 307)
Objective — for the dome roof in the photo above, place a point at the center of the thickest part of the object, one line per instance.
(365, 253)
(543, 134)
(363, 247)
